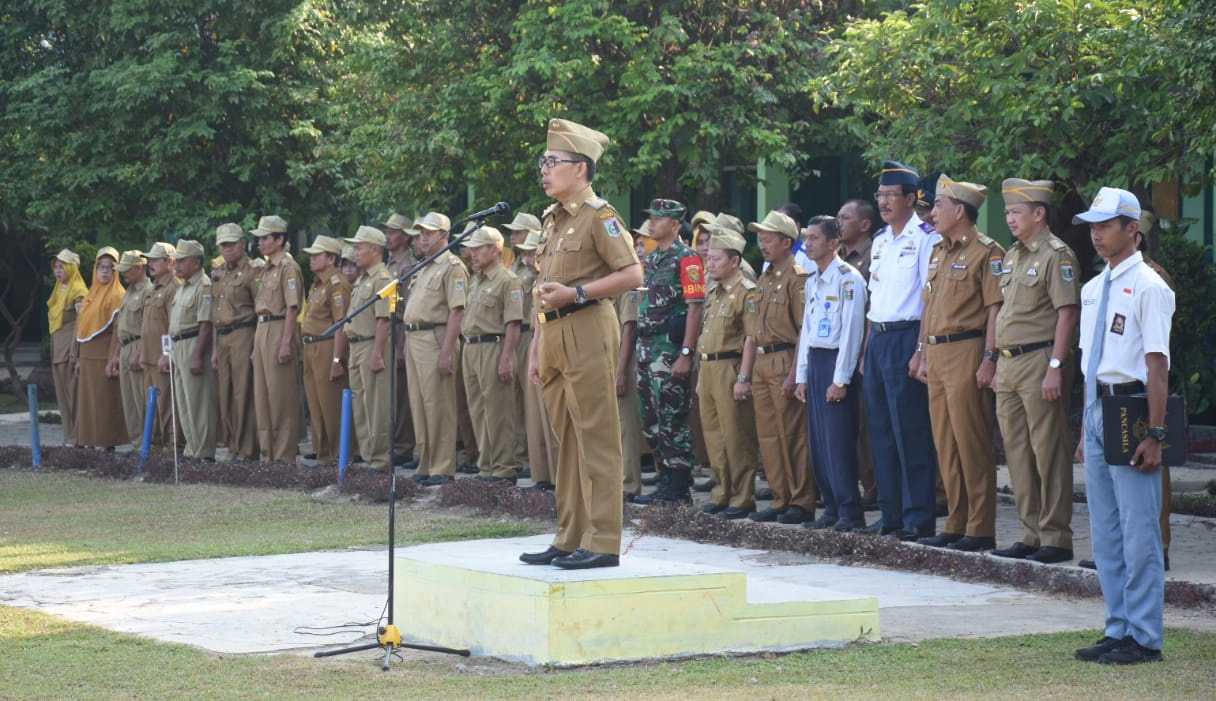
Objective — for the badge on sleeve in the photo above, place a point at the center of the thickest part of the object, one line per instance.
(751, 306)
(517, 297)
(691, 277)
(848, 293)
(459, 285)
(291, 284)
(613, 226)
(339, 300)
(997, 266)
(1067, 273)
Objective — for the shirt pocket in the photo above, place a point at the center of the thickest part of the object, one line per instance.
(570, 259)
(1027, 290)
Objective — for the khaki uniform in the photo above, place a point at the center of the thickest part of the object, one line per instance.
(1037, 279)
(539, 449)
(730, 425)
(963, 283)
(134, 395)
(859, 257)
(328, 301)
(197, 403)
(372, 389)
(232, 311)
(434, 292)
(628, 404)
(781, 422)
(495, 299)
(581, 241)
(156, 324)
(63, 358)
(403, 432)
(276, 386)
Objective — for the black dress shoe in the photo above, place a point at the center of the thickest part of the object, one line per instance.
(869, 505)
(650, 481)
(465, 468)
(585, 559)
(524, 472)
(847, 525)
(420, 478)
(765, 494)
(940, 540)
(1087, 564)
(795, 514)
(877, 528)
(543, 558)
(436, 480)
(712, 508)
(407, 463)
(706, 486)
(310, 456)
(908, 536)
(766, 516)
(501, 480)
(973, 543)
(733, 513)
(822, 523)
(1049, 554)
(1017, 551)
(542, 486)
(1130, 652)
(1100, 648)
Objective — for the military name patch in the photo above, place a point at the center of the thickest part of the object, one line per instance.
(613, 226)
(1067, 273)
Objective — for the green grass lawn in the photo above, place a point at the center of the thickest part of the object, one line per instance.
(58, 520)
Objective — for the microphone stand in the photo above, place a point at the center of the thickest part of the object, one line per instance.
(388, 636)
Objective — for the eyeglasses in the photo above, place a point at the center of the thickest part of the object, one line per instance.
(888, 195)
(105, 267)
(551, 162)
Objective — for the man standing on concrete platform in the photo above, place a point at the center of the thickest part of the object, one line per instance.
(857, 219)
(962, 299)
(585, 256)
(1125, 346)
(155, 325)
(324, 376)
(401, 258)
(234, 284)
(432, 325)
(367, 336)
(276, 357)
(669, 320)
(190, 331)
(132, 267)
(897, 402)
(1035, 331)
(490, 333)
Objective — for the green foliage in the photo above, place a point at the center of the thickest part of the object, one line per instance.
(1192, 344)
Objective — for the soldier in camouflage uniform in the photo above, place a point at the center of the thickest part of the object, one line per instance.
(669, 319)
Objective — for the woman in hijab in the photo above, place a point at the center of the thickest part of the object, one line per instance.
(62, 308)
(99, 417)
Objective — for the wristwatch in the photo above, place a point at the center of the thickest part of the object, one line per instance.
(685, 351)
(920, 346)
(337, 360)
(991, 354)
(744, 379)
(1158, 433)
(1054, 363)
(580, 297)
(841, 385)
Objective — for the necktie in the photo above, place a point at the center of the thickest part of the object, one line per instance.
(1095, 348)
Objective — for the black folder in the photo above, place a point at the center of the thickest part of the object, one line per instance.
(1125, 424)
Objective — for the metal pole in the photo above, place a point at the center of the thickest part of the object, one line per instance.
(344, 441)
(149, 422)
(35, 439)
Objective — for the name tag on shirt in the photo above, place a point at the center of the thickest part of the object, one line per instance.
(825, 328)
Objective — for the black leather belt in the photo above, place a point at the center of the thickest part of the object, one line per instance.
(225, 330)
(546, 317)
(351, 338)
(264, 318)
(952, 337)
(317, 339)
(128, 340)
(727, 355)
(484, 338)
(775, 347)
(1015, 351)
(884, 326)
(652, 331)
(1107, 390)
(184, 336)
(420, 326)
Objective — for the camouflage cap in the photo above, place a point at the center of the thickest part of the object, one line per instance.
(485, 236)
(523, 222)
(130, 259)
(368, 234)
(187, 249)
(325, 244)
(272, 224)
(776, 222)
(666, 208)
(69, 257)
(228, 233)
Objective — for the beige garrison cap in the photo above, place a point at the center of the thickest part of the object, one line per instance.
(1018, 191)
(398, 222)
(644, 229)
(186, 249)
(776, 222)
(970, 193)
(348, 252)
(702, 218)
(325, 244)
(433, 221)
(160, 249)
(523, 222)
(485, 236)
(728, 221)
(69, 257)
(272, 224)
(130, 259)
(728, 240)
(531, 243)
(228, 233)
(368, 234)
(565, 135)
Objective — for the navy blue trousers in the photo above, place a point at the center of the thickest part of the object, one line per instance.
(833, 434)
(897, 408)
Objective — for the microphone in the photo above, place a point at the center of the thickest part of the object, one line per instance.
(500, 208)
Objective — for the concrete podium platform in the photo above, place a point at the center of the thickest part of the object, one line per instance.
(477, 595)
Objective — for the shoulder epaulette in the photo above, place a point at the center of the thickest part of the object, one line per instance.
(747, 284)
(335, 278)
(548, 209)
(257, 262)
(596, 202)
(799, 270)
(843, 268)
(1056, 243)
(927, 227)
(985, 240)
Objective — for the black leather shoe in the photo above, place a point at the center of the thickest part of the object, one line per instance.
(877, 528)
(712, 508)
(973, 543)
(650, 481)
(420, 478)
(585, 559)
(465, 468)
(1017, 551)
(407, 464)
(542, 558)
(524, 473)
(543, 486)
(847, 525)
(309, 456)
(766, 516)
(1087, 564)
(436, 480)
(821, 524)
(706, 486)
(501, 480)
(1100, 648)
(869, 505)
(940, 540)
(1049, 554)
(1130, 652)
(794, 514)
(765, 494)
(733, 513)
(908, 536)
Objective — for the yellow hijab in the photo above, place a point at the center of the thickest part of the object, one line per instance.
(102, 302)
(65, 293)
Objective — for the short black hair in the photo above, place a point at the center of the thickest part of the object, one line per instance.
(791, 210)
(969, 210)
(590, 166)
(907, 189)
(828, 224)
(281, 235)
(865, 210)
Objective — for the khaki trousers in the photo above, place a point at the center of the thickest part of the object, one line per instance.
(470, 454)
(371, 403)
(432, 402)
(276, 393)
(630, 410)
(197, 403)
(134, 396)
(235, 377)
(403, 432)
(781, 431)
(520, 365)
(730, 435)
(491, 409)
(542, 443)
(65, 397)
(324, 400)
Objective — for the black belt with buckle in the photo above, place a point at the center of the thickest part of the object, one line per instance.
(225, 330)
(128, 340)
(546, 317)
(775, 347)
(484, 338)
(727, 355)
(1109, 390)
(420, 326)
(264, 318)
(184, 336)
(884, 326)
(1015, 351)
(652, 331)
(350, 338)
(952, 337)
(316, 339)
